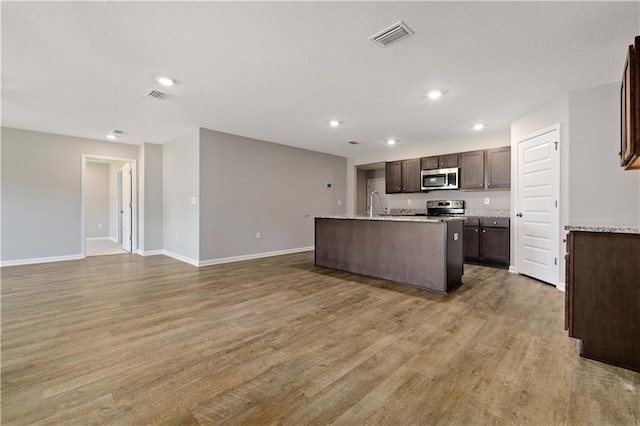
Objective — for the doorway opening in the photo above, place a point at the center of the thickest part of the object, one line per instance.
(370, 178)
(109, 208)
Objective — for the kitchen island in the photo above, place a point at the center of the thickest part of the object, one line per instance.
(418, 251)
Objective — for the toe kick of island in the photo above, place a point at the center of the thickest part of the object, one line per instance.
(426, 253)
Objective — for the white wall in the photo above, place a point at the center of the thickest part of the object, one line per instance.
(499, 199)
(41, 192)
(249, 186)
(150, 198)
(180, 183)
(97, 223)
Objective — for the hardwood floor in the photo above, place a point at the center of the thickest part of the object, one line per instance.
(126, 339)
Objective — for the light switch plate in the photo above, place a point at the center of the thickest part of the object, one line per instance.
(486, 200)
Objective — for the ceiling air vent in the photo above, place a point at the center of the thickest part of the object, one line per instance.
(391, 34)
(117, 132)
(353, 142)
(157, 94)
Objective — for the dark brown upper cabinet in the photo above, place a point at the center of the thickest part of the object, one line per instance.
(411, 175)
(472, 170)
(486, 169)
(498, 168)
(440, 162)
(402, 176)
(630, 110)
(393, 177)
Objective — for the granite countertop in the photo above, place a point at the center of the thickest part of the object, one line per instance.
(395, 218)
(617, 228)
(488, 213)
(467, 213)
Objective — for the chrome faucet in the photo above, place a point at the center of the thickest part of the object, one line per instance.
(371, 202)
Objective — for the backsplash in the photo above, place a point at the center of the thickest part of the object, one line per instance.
(499, 201)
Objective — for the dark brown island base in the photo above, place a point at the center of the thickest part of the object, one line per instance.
(417, 251)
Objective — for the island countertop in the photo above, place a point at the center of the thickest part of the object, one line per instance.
(397, 218)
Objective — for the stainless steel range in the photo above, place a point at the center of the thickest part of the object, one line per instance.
(445, 207)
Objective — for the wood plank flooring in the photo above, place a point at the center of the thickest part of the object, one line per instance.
(125, 339)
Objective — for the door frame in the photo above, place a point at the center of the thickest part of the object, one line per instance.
(134, 199)
(515, 230)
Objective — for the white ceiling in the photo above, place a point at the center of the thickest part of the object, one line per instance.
(279, 71)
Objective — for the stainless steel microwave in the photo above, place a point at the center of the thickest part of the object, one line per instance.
(439, 179)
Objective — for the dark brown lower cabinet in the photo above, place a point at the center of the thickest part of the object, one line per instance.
(603, 296)
(487, 239)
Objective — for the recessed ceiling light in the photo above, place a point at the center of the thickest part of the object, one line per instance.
(334, 123)
(112, 137)
(165, 81)
(434, 94)
(391, 142)
(478, 126)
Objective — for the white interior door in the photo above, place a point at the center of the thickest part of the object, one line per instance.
(537, 212)
(379, 203)
(126, 208)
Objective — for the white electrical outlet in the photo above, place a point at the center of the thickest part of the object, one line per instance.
(194, 200)
(99, 226)
(258, 235)
(176, 235)
(409, 202)
(455, 236)
(339, 202)
(486, 200)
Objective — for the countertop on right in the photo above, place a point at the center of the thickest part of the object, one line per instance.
(612, 228)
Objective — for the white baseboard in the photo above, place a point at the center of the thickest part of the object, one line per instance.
(40, 260)
(253, 256)
(180, 258)
(512, 269)
(166, 253)
(99, 238)
(151, 252)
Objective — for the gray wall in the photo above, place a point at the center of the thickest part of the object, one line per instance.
(361, 191)
(41, 194)
(180, 182)
(96, 192)
(249, 186)
(150, 198)
(590, 178)
(600, 191)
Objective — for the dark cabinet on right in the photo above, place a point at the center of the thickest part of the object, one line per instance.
(603, 296)
(487, 239)
(486, 169)
(498, 167)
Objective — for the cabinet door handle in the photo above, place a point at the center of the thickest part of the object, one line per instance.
(484, 230)
(519, 214)
(495, 223)
(489, 184)
(481, 185)
(476, 230)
